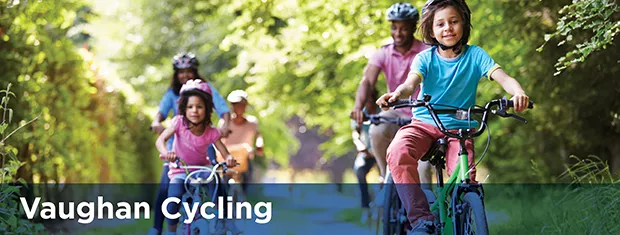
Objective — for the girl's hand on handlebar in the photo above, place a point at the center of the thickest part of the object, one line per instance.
(170, 156)
(520, 101)
(387, 98)
(230, 161)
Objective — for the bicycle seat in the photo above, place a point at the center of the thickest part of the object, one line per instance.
(436, 152)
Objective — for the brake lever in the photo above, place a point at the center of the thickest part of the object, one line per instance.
(518, 118)
(502, 113)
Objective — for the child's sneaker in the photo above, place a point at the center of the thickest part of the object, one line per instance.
(423, 227)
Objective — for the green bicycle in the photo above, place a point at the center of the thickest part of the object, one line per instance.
(457, 204)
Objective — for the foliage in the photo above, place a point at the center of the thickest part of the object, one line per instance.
(593, 23)
(10, 221)
(597, 192)
(84, 131)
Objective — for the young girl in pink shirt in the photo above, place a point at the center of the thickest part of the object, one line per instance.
(193, 134)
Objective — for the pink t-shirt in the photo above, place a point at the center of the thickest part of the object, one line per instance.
(189, 147)
(395, 65)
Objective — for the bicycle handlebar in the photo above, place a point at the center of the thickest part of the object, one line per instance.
(503, 105)
(376, 119)
(178, 162)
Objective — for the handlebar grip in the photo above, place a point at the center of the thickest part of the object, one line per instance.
(529, 106)
(396, 103)
(163, 157)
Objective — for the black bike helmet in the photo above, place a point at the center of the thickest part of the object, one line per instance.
(184, 60)
(402, 11)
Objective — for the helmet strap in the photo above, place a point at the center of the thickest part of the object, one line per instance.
(456, 47)
(192, 124)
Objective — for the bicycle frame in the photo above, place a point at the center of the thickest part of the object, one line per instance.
(445, 190)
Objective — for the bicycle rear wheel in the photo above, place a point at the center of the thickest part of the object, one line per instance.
(473, 220)
(393, 224)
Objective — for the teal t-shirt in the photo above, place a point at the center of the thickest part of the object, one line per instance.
(452, 82)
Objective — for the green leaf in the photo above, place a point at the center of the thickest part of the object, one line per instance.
(12, 221)
(3, 127)
(23, 182)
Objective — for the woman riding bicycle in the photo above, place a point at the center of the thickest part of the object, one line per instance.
(449, 72)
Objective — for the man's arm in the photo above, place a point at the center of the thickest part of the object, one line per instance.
(371, 74)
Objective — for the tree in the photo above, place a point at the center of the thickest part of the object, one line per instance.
(82, 132)
(594, 21)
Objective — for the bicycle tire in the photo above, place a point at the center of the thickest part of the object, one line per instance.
(392, 224)
(473, 209)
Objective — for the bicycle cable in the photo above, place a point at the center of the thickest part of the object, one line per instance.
(486, 148)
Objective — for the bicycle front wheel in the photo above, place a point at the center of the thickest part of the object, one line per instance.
(473, 220)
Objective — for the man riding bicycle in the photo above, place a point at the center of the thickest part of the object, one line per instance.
(394, 60)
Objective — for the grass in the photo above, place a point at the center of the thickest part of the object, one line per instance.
(589, 205)
(354, 216)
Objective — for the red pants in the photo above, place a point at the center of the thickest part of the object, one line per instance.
(409, 145)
